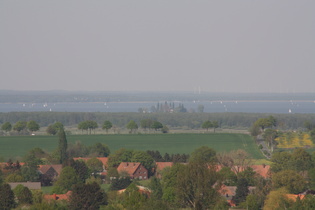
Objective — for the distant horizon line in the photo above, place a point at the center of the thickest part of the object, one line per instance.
(160, 91)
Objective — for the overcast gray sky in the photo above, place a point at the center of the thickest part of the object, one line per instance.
(231, 46)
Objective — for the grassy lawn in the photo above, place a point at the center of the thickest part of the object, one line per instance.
(47, 189)
(18, 146)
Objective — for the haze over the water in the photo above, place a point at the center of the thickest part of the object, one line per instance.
(178, 45)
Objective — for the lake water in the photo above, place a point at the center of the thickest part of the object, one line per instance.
(209, 106)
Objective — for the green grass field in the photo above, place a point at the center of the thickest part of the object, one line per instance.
(18, 146)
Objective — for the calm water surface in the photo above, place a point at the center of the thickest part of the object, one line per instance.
(209, 106)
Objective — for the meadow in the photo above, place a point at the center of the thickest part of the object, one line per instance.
(17, 146)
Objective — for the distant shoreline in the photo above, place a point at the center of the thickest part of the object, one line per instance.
(207, 101)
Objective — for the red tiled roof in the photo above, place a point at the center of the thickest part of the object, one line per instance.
(44, 168)
(161, 165)
(58, 196)
(294, 197)
(129, 167)
(262, 170)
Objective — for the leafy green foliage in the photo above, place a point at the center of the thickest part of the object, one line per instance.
(120, 183)
(206, 125)
(6, 197)
(81, 169)
(146, 123)
(99, 150)
(62, 146)
(228, 177)
(19, 126)
(54, 128)
(156, 125)
(289, 179)
(241, 191)
(107, 125)
(67, 178)
(23, 194)
(14, 177)
(94, 165)
(156, 188)
(132, 126)
(6, 127)
(204, 153)
(32, 126)
(277, 200)
(194, 186)
(88, 125)
(87, 196)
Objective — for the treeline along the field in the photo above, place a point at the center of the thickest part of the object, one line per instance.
(189, 120)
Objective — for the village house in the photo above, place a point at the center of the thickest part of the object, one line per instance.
(49, 173)
(160, 166)
(134, 169)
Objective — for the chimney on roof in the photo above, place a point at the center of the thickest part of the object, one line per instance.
(127, 164)
(55, 196)
(264, 165)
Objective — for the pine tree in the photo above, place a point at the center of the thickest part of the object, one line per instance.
(62, 146)
(241, 191)
(6, 197)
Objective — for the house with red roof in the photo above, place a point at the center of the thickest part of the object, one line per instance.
(262, 170)
(134, 169)
(49, 173)
(160, 166)
(229, 191)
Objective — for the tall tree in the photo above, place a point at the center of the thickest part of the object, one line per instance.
(241, 191)
(7, 127)
(81, 169)
(19, 126)
(277, 199)
(194, 186)
(215, 125)
(156, 125)
(203, 153)
(206, 125)
(146, 124)
(156, 188)
(87, 125)
(289, 179)
(23, 195)
(6, 197)
(99, 150)
(132, 126)
(270, 135)
(107, 125)
(67, 178)
(87, 196)
(32, 126)
(62, 146)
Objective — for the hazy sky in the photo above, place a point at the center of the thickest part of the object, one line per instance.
(231, 46)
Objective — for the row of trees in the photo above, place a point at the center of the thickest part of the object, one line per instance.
(90, 125)
(174, 120)
(20, 126)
